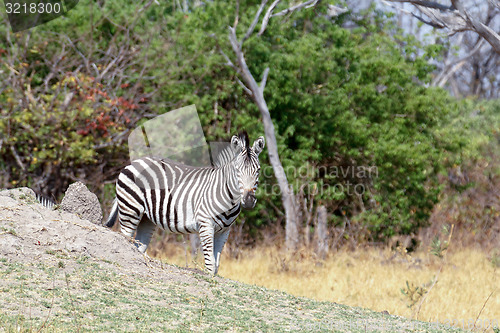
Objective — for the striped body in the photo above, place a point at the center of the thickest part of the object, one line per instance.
(182, 199)
(162, 191)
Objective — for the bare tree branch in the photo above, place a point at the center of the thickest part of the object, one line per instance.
(269, 13)
(18, 159)
(248, 91)
(256, 91)
(237, 16)
(244, 71)
(266, 18)
(402, 10)
(228, 60)
(450, 69)
(494, 3)
(486, 32)
(428, 4)
(449, 73)
(455, 18)
(264, 80)
(111, 64)
(334, 11)
(431, 23)
(255, 20)
(305, 4)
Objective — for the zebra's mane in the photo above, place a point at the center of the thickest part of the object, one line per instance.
(246, 142)
(226, 155)
(223, 157)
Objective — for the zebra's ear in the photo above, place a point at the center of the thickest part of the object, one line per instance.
(235, 143)
(258, 145)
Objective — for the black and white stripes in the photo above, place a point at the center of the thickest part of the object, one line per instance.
(45, 202)
(184, 199)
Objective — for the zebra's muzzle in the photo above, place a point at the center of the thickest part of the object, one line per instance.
(249, 200)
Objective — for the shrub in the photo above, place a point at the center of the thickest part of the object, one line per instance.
(63, 135)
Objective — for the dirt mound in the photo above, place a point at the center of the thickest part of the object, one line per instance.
(30, 232)
(80, 201)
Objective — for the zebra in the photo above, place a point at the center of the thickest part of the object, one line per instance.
(47, 203)
(183, 199)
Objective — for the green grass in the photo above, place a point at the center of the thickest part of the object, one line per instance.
(4, 230)
(88, 295)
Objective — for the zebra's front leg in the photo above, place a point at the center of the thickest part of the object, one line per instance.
(207, 244)
(219, 241)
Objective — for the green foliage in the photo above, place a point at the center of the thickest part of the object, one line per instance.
(340, 99)
(469, 128)
(438, 245)
(356, 127)
(59, 135)
(468, 196)
(413, 293)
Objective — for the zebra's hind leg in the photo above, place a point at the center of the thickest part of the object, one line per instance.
(145, 231)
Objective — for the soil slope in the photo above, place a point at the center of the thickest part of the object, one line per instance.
(62, 273)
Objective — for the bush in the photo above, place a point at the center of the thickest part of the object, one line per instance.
(342, 100)
(65, 135)
(469, 199)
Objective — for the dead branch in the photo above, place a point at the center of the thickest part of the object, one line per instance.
(18, 159)
(452, 68)
(494, 3)
(287, 195)
(269, 13)
(245, 88)
(251, 28)
(264, 80)
(334, 11)
(429, 4)
(237, 16)
(266, 18)
(305, 4)
(455, 18)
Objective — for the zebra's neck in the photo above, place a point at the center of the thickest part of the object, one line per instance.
(231, 185)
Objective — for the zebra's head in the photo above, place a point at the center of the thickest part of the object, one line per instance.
(247, 166)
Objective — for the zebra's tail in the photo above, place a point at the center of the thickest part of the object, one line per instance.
(112, 215)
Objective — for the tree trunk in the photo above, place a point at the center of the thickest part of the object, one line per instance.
(321, 233)
(257, 94)
(287, 195)
(256, 91)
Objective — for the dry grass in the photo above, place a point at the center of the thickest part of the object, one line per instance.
(373, 278)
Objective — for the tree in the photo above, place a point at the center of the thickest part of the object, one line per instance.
(467, 64)
(457, 18)
(340, 98)
(256, 92)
